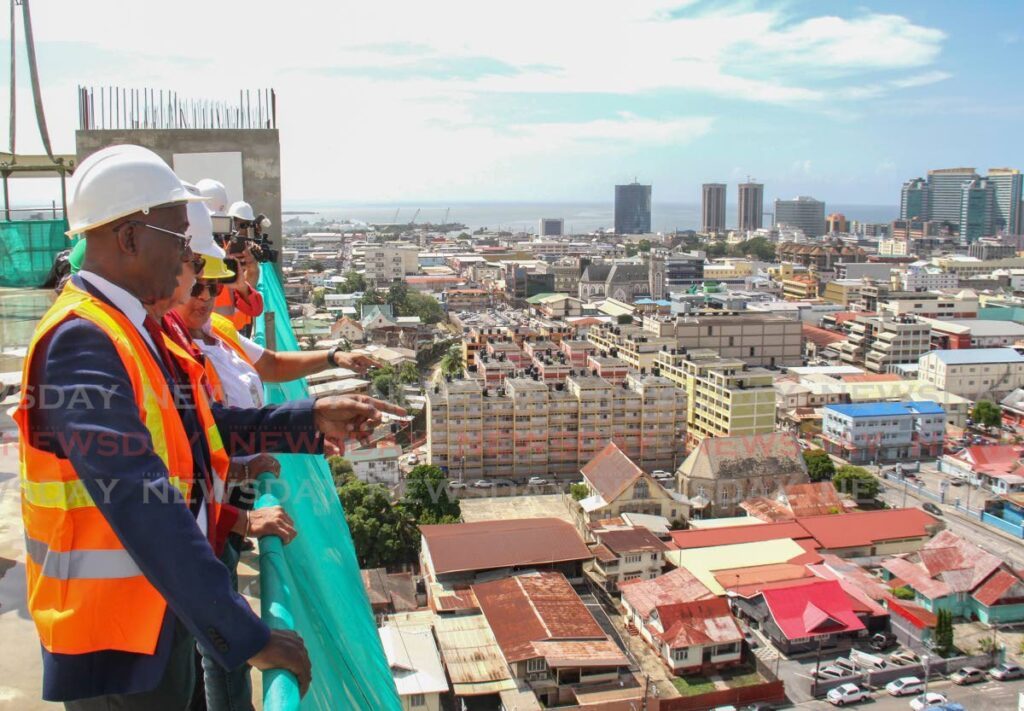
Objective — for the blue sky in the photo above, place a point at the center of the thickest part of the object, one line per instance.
(460, 100)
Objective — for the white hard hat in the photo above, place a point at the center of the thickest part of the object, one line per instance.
(215, 193)
(117, 181)
(200, 227)
(241, 210)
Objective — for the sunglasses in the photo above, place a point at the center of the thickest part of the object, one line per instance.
(214, 289)
(182, 239)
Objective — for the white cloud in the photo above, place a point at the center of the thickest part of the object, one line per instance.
(375, 85)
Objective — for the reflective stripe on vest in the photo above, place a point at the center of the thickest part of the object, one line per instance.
(81, 564)
(85, 593)
(223, 329)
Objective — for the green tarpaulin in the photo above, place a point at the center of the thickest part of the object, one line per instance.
(28, 248)
(314, 582)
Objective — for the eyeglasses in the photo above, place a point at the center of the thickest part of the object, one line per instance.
(182, 239)
(214, 289)
(198, 263)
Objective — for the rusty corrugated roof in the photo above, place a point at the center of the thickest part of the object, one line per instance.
(678, 585)
(485, 545)
(699, 622)
(631, 540)
(585, 653)
(532, 608)
(472, 656)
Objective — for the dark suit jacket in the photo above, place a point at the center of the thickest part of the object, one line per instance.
(78, 367)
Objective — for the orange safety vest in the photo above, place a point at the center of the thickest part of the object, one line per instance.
(85, 592)
(225, 330)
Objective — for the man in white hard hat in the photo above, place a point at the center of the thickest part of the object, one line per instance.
(216, 195)
(121, 455)
(241, 302)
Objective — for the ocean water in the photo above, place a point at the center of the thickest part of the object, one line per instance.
(580, 217)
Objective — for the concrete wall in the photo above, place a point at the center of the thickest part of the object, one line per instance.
(260, 149)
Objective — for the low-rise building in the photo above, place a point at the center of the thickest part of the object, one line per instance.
(949, 573)
(973, 373)
(699, 636)
(415, 665)
(880, 343)
(804, 616)
(467, 299)
(616, 485)
(550, 640)
(885, 431)
(376, 465)
(627, 554)
(723, 471)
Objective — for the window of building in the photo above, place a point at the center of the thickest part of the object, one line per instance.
(641, 490)
(417, 700)
(679, 655)
(536, 665)
(635, 558)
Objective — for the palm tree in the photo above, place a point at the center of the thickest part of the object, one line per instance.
(452, 363)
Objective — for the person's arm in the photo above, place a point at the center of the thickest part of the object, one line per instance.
(280, 367)
(99, 429)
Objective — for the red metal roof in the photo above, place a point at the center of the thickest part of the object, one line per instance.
(812, 608)
(484, 545)
(997, 586)
(679, 585)
(914, 614)
(581, 653)
(699, 622)
(863, 528)
(728, 535)
(870, 378)
(821, 337)
(532, 608)
(813, 499)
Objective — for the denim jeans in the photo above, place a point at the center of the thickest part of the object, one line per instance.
(227, 690)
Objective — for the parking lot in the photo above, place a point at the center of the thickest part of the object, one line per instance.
(986, 696)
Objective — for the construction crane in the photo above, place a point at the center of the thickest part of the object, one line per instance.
(414, 216)
(394, 220)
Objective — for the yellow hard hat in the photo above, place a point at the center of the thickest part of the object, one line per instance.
(214, 268)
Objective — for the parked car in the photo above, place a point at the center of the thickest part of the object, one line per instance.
(882, 640)
(456, 485)
(1006, 671)
(932, 698)
(829, 672)
(537, 481)
(904, 657)
(482, 484)
(867, 661)
(957, 482)
(967, 675)
(931, 508)
(847, 694)
(905, 686)
(846, 665)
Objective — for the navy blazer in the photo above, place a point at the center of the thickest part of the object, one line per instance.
(78, 366)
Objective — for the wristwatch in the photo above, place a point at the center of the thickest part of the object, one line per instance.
(330, 356)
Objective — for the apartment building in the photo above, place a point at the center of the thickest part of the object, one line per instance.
(532, 428)
(933, 304)
(843, 291)
(724, 398)
(630, 343)
(883, 431)
(923, 277)
(967, 267)
(974, 373)
(800, 287)
(389, 262)
(756, 338)
(880, 343)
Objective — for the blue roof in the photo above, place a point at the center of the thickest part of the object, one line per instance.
(644, 301)
(888, 409)
(977, 356)
(663, 302)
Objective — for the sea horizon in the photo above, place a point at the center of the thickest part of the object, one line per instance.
(580, 216)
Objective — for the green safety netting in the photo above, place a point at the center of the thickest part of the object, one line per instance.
(28, 248)
(313, 584)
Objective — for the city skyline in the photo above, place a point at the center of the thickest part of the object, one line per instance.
(427, 104)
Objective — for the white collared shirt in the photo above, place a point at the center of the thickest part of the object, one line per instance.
(135, 312)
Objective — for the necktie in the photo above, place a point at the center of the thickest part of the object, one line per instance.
(157, 334)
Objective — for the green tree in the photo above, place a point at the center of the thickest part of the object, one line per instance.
(423, 305)
(316, 266)
(354, 282)
(383, 534)
(942, 637)
(341, 469)
(716, 250)
(387, 385)
(820, 466)
(644, 245)
(759, 248)
(318, 298)
(631, 250)
(452, 363)
(903, 593)
(426, 496)
(409, 374)
(856, 481)
(579, 491)
(987, 413)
